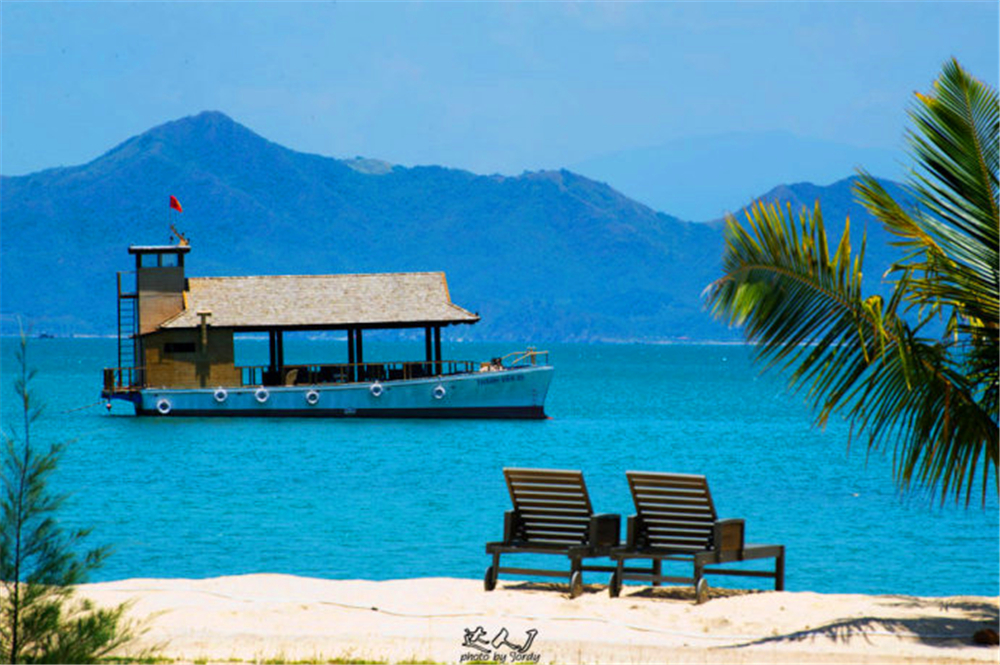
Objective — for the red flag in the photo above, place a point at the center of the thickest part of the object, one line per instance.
(175, 204)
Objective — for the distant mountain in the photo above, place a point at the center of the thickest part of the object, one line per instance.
(542, 257)
(703, 177)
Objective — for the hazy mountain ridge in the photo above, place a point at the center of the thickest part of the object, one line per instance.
(543, 256)
(699, 177)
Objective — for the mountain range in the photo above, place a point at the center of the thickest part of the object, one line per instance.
(543, 256)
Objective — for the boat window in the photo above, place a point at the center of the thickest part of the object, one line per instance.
(159, 260)
(179, 347)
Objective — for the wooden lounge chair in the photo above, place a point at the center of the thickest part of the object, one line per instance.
(552, 515)
(675, 520)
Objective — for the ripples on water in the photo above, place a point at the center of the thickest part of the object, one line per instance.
(381, 499)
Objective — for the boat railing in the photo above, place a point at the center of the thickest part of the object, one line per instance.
(290, 375)
(525, 358)
(123, 379)
(128, 285)
(127, 379)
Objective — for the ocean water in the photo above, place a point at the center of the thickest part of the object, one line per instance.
(383, 499)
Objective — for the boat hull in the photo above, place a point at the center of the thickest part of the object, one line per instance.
(514, 393)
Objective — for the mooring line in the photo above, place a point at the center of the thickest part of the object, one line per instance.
(81, 408)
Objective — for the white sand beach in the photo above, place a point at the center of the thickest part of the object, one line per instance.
(256, 618)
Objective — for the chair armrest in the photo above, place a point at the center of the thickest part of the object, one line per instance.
(511, 525)
(633, 532)
(727, 535)
(605, 530)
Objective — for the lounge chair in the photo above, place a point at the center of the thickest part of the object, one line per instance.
(675, 520)
(552, 515)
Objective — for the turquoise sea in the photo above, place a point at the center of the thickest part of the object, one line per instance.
(381, 499)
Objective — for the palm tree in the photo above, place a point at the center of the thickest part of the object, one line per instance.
(885, 364)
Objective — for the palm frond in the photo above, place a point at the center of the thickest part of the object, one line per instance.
(955, 143)
(934, 402)
(800, 304)
(806, 311)
(952, 236)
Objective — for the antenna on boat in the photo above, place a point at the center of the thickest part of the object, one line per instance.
(181, 238)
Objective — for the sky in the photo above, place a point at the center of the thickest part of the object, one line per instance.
(491, 87)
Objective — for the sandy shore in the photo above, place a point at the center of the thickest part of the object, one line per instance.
(284, 618)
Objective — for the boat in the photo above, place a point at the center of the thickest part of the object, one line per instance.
(176, 347)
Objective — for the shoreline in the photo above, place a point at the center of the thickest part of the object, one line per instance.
(679, 341)
(267, 617)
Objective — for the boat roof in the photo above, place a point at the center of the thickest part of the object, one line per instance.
(321, 302)
(159, 249)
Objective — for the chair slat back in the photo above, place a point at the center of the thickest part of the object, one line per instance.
(676, 509)
(553, 505)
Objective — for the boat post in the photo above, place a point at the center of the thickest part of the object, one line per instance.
(437, 350)
(351, 368)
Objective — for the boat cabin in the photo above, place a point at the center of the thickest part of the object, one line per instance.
(176, 331)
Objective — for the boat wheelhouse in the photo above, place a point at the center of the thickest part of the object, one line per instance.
(176, 348)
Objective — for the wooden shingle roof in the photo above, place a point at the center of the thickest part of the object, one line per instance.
(382, 300)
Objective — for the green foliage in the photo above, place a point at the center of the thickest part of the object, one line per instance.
(40, 622)
(934, 400)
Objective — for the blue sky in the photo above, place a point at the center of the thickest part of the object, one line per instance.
(489, 87)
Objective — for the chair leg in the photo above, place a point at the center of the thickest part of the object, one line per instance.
(492, 573)
(575, 577)
(699, 588)
(779, 571)
(615, 585)
(657, 570)
(701, 591)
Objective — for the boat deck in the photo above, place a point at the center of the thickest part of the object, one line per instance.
(119, 380)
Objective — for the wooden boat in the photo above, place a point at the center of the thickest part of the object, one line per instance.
(176, 350)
